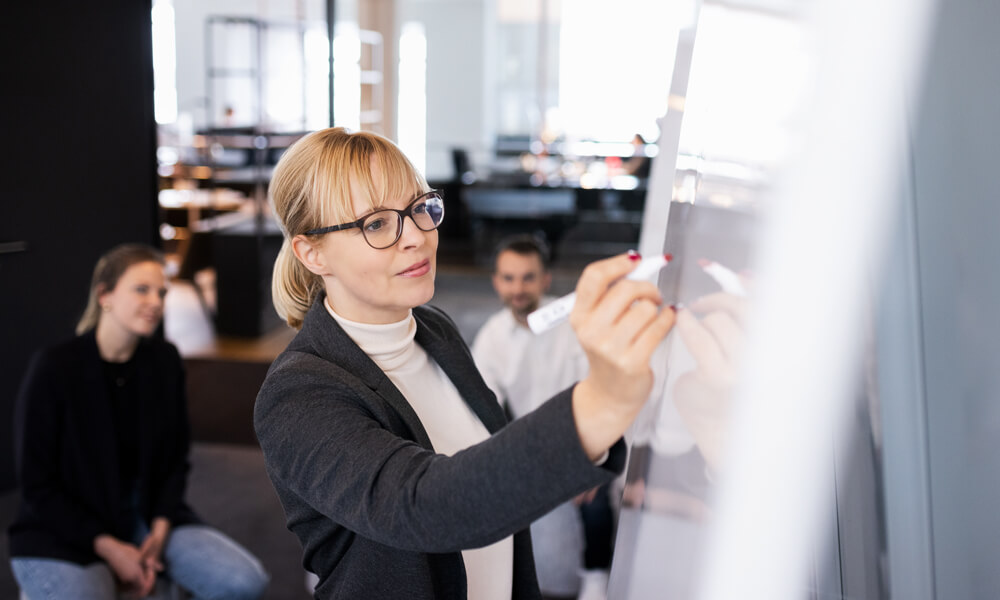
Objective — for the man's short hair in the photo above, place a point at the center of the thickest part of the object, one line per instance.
(525, 244)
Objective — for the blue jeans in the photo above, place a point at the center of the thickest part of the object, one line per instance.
(203, 561)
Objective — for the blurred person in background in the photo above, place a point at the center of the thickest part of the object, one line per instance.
(573, 542)
(102, 457)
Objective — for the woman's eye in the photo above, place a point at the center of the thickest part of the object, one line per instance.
(419, 209)
(375, 225)
(142, 289)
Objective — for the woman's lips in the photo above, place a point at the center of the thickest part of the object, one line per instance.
(421, 268)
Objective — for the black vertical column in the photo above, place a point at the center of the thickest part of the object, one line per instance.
(331, 22)
(77, 167)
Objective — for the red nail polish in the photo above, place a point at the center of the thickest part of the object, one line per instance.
(633, 255)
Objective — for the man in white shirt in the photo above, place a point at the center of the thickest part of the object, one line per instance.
(572, 544)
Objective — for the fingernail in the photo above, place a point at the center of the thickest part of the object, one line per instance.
(633, 255)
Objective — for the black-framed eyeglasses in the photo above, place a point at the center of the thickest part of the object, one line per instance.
(383, 227)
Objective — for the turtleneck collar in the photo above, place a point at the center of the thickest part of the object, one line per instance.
(389, 345)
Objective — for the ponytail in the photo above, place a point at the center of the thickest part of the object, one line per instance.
(293, 287)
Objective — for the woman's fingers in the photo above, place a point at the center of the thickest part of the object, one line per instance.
(618, 319)
(721, 301)
(640, 329)
(713, 363)
(717, 339)
(650, 336)
(610, 312)
(715, 342)
(153, 563)
(597, 277)
(147, 582)
(726, 331)
(619, 334)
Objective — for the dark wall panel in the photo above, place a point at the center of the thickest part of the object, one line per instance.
(78, 166)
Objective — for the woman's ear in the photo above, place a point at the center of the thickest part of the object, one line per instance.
(101, 292)
(309, 255)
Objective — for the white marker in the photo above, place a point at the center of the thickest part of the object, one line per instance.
(726, 278)
(557, 311)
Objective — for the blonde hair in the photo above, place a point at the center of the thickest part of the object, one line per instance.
(108, 270)
(311, 188)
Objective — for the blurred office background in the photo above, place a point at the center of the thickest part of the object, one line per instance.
(160, 121)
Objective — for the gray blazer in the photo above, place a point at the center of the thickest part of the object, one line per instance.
(378, 513)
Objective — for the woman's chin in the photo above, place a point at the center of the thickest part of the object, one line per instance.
(427, 294)
(145, 329)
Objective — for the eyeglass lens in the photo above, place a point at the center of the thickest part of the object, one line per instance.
(382, 228)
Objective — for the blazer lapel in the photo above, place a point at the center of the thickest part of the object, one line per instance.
(333, 344)
(441, 341)
(437, 336)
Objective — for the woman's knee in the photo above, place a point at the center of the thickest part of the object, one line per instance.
(218, 567)
(249, 586)
(45, 578)
(246, 579)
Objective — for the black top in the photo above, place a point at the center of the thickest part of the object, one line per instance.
(68, 457)
(379, 514)
(119, 379)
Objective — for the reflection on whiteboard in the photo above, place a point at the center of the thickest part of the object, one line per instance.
(802, 422)
(721, 145)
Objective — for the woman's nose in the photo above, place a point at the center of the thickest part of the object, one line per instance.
(411, 236)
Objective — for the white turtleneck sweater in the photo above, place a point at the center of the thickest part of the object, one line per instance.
(450, 424)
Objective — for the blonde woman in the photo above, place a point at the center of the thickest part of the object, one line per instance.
(103, 457)
(394, 462)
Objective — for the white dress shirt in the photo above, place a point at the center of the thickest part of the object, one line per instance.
(524, 370)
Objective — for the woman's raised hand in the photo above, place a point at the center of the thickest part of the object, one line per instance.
(619, 323)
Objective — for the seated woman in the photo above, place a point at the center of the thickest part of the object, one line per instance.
(394, 462)
(103, 457)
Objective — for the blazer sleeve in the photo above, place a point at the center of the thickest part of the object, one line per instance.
(168, 501)
(41, 412)
(326, 443)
